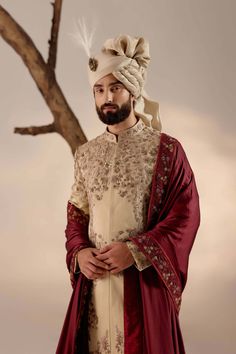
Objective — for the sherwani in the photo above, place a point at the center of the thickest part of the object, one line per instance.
(113, 176)
(140, 189)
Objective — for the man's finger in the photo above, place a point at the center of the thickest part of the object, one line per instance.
(89, 275)
(95, 251)
(109, 262)
(94, 269)
(106, 248)
(102, 257)
(115, 270)
(99, 264)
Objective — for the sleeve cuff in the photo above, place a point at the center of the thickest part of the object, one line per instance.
(140, 260)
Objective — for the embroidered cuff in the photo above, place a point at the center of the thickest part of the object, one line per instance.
(141, 262)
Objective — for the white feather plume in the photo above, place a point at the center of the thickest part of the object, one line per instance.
(82, 36)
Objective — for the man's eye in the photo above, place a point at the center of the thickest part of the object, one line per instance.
(99, 90)
(116, 88)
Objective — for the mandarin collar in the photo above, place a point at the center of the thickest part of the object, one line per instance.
(135, 129)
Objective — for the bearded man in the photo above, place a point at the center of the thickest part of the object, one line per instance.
(132, 218)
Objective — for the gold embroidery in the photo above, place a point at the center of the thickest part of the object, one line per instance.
(113, 181)
(119, 341)
(76, 214)
(98, 241)
(126, 166)
(159, 259)
(103, 346)
(151, 248)
(141, 262)
(92, 316)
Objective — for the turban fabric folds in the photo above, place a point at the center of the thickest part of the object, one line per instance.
(127, 58)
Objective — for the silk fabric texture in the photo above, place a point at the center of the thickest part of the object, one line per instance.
(152, 297)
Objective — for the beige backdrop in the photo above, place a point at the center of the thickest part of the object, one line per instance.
(192, 74)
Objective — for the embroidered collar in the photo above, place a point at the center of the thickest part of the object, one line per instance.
(135, 129)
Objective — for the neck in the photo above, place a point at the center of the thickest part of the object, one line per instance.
(126, 124)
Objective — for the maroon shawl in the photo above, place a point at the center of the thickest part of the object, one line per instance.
(152, 297)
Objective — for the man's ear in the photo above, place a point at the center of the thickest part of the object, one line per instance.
(133, 99)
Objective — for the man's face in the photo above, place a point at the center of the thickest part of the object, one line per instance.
(114, 102)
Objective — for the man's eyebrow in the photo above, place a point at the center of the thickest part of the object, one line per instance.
(115, 83)
(97, 85)
(111, 84)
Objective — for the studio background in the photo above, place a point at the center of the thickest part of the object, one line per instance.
(192, 75)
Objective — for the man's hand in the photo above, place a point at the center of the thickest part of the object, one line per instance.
(90, 266)
(117, 255)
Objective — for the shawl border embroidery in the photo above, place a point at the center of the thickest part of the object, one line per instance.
(152, 249)
(77, 215)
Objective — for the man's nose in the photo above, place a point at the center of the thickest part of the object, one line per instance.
(109, 96)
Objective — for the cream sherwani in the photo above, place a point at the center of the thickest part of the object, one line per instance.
(113, 177)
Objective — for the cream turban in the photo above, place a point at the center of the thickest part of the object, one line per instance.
(127, 58)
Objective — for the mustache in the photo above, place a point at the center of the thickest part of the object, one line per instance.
(109, 105)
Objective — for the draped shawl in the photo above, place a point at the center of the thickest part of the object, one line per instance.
(152, 297)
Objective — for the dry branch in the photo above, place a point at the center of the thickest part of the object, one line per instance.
(65, 121)
(32, 130)
(54, 34)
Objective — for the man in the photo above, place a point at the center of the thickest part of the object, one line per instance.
(132, 218)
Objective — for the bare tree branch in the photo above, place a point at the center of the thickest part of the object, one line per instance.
(32, 130)
(57, 5)
(65, 120)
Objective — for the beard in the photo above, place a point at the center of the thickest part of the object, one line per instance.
(114, 117)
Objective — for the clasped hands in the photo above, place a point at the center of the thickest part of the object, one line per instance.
(113, 258)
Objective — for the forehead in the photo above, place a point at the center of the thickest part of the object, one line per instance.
(106, 81)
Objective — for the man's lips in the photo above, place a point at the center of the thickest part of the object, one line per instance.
(108, 108)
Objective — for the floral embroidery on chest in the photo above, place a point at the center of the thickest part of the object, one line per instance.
(126, 166)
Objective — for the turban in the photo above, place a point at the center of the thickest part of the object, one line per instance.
(127, 58)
